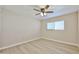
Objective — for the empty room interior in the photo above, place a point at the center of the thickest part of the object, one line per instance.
(39, 29)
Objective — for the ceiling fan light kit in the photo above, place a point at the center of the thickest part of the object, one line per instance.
(43, 14)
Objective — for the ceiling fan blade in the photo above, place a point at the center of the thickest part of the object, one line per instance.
(36, 10)
(47, 6)
(49, 12)
(37, 14)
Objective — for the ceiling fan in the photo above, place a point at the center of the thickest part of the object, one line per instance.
(43, 11)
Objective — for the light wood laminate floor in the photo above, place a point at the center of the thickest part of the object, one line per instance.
(41, 46)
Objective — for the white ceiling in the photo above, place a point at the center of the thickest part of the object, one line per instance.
(28, 10)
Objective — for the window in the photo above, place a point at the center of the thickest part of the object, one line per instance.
(57, 25)
(50, 26)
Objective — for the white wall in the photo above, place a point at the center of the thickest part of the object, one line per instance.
(68, 35)
(0, 26)
(78, 27)
(18, 28)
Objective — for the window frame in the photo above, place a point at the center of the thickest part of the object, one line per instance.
(54, 25)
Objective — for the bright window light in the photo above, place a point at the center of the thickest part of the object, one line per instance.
(57, 25)
(50, 25)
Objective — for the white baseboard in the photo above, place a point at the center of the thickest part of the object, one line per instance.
(68, 43)
(19, 43)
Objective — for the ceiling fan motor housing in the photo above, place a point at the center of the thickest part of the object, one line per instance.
(42, 10)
